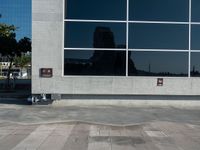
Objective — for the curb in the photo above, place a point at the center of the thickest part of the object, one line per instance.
(130, 103)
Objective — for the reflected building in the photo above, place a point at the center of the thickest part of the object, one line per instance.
(108, 61)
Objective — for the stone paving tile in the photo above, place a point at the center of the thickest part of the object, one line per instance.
(99, 143)
(36, 138)
(56, 140)
(78, 139)
(180, 137)
(11, 140)
(7, 130)
(81, 136)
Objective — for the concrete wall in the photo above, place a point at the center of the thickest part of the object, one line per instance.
(47, 38)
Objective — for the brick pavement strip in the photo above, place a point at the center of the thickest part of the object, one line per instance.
(14, 135)
(36, 138)
(57, 139)
(78, 139)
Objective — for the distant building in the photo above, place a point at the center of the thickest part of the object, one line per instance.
(116, 47)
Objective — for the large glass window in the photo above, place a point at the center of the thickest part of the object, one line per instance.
(97, 35)
(159, 10)
(95, 9)
(87, 62)
(158, 36)
(158, 63)
(131, 37)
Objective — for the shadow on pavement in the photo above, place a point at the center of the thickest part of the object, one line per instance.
(16, 101)
(18, 97)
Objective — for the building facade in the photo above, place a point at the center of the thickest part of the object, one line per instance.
(116, 47)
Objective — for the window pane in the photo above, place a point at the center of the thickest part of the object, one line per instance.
(159, 10)
(96, 9)
(100, 63)
(195, 64)
(195, 10)
(158, 64)
(158, 36)
(195, 43)
(97, 35)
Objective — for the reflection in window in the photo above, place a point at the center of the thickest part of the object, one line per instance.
(96, 9)
(195, 10)
(195, 37)
(159, 10)
(98, 35)
(195, 64)
(101, 63)
(158, 64)
(158, 36)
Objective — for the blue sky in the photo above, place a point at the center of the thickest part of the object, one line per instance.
(18, 13)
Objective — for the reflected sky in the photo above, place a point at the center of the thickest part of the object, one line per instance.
(195, 44)
(195, 10)
(159, 36)
(77, 54)
(159, 10)
(96, 9)
(173, 62)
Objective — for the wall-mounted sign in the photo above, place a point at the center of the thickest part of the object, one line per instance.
(46, 72)
(159, 81)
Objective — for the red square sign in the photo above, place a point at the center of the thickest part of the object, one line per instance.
(160, 82)
(46, 72)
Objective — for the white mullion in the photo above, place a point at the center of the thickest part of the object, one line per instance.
(195, 23)
(121, 21)
(158, 22)
(97, 21)
(63, 45)
(189, 56)
(194, 51)
(127, 36)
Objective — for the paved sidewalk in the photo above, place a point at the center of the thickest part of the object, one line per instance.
(48, 127)
(82, 136)
(110, 115)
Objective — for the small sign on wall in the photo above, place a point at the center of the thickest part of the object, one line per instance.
(159, 81)
(46, 72)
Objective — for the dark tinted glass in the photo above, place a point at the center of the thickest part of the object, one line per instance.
(100, 63)
(96, 9)
(158, 36)
(196, 10)
(195, 64)
(195, 43)
(158, 64)
(159, 10)
(97, 35)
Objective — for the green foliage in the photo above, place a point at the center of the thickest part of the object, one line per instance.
(7, 30)
(22, 61)
(10, 48)
(24, 45)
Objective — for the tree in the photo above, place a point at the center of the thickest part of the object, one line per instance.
(10, 48)
(22, 62)
(7, 30)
